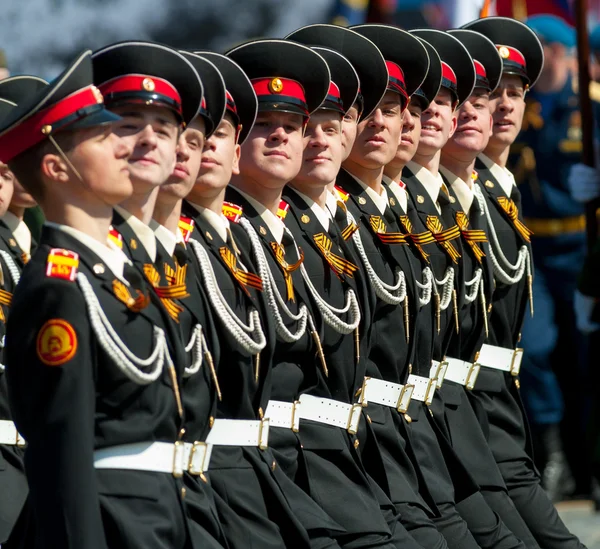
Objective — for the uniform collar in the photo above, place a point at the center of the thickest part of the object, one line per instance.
(331, 203)
(271, 220)
(112, 256)
(503, 175)
(142, 231)
(432, 183)
(463, 192)
(380, 200)
(19, 230)
(398, 191)
(217, 221)
(322, 214)
(167, 238)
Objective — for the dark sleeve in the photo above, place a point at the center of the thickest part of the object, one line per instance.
(588, 278)
(53, 407)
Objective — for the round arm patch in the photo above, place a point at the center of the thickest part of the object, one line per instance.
(56, 342)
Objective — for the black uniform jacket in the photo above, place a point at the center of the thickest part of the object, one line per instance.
(69, 409)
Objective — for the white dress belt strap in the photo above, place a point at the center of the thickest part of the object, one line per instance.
(438, 371)
(501, 358)
(160, 457)
(463, 373)
(283, 414)
(331, 412)
(9, 434)
(424, 388)
(239, 432)
(386, 393)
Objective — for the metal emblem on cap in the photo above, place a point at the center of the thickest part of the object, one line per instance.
(148, 84)
(97, 94)
(305, 218)
(503, 51)
(420, 199)
(276, 85)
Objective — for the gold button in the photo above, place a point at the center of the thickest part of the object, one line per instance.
(305, 218)
(392, 201)
(517, 383)
(133, 244)
(183, 490)
(362, 200)
(489, 184)
(98, 268)
(407, 418)
(262, 230)
(420, 199)
(211, 421)
(356, 443)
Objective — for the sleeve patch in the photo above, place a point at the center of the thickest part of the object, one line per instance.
(56, 342)
(62, 264)
(186, 227)
(232, 211)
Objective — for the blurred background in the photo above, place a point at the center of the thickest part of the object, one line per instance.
(560, 377)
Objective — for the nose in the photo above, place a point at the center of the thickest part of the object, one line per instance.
(278, 134)
(408, 122)
(505, 104)
(148, 137)
(377, 120)
(317, 138)
(183, 150)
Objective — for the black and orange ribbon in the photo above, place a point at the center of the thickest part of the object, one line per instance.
(380, 230)
(5, 299)
(473, 237)
(443, 237)
(338, 264)
(418, 239)
(167, 294)
(510, 208)
(122, 293)
(243, 277)
(286, 268)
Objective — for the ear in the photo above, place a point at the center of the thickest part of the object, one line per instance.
(237, 153)
(454, 124)
(54, 168)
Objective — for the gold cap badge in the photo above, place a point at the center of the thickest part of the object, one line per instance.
(148, 84)
(276, 85)
(503, 51)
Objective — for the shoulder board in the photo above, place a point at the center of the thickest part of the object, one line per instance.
(595, 91)
(186, 227)
(282, 209)
(341, 193)
(115, 237)
(232, 211)
(62, 264)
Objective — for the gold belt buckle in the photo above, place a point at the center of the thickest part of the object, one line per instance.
(295, 423)
(440, 372)
(404, 398)
(515, 364)
(472, 376)
(178, 450)
(263, 434)
(356, 408)
(430, 392)
(363, 390)
(193, 451)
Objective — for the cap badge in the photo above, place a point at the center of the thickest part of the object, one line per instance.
(276, 85)
(148, 84)
(504, 53)
(420, 199)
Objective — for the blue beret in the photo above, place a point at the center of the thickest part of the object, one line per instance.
(553, 29)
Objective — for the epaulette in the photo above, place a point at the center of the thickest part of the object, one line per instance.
(186, 227)
(115, 237)
(282, 209)
(62, 264)
(341, 193)
(232, 211)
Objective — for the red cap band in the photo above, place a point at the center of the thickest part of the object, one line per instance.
(509, 53)
(132, 83)
(231, 107)
(34, 129)
(278, 87)
(396, 78)
(479, 69)
(449, 74)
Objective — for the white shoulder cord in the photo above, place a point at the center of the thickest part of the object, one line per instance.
(474, 286)
(274, 298)
(390, 294)
(426, 287)
(251, 336)
(15, 274)
(196, 345)
(112, 344)
(2, 343)
(447, 285)
(523, 262)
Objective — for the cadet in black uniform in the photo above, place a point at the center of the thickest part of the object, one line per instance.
(92, 380)
(497, 399)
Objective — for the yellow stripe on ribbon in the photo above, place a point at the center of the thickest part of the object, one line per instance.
(287, 268)
(243, 277)
(123, 294)
(5, 298)
(510, 208)
(338, 264)
(380, 230)
(472, 236)
(166, 293)
(443, 237)
(418, 239)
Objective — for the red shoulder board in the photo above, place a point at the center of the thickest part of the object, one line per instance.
(282, 209)
(341, 193)
(474, 175)
(115, 237)
(62, 264)
(232, 211)
(186, 227)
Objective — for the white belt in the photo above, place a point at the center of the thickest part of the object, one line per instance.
(331, 412)
(283, 414)
(160, 457)
(240, 432)
(386, 393)
(501, 358)
(424, 388)
(9, 434)
(438, 371)
(461, 372)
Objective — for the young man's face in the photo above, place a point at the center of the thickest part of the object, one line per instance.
(272, 154)
(438, 123)
(349, 129)
(507, 106)
(101, 158)
(473, 128)
(6, 188)
(411, 132)
(322, 149)
(379, 134)
(152, 132)
(189, 154)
